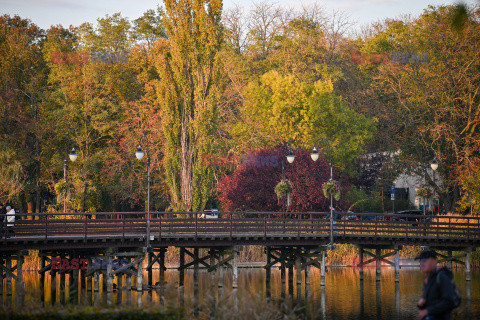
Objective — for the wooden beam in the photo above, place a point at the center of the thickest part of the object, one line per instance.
(127, 266)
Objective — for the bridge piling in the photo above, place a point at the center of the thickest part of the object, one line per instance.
(235, 268)
(63, 285)
(161, 267)
(268, 272)
(290, 278)
(378, 264)
(1, 279)
(149, 269)
(195, 269)
(397, 266)
(361, 263)
(109, 279)
(53, 286)
(20, 285)
(322, 270)
(73, 290)
(8, 271)
(181, 269)
(467, 265)
(298, 268)
(140, 276)
(214, 271)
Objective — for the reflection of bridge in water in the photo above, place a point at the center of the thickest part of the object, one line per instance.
(69, 244)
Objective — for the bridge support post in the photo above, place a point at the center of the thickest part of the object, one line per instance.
(109, 280)
(195, 269)
(298, 267)
(128, 278)
(235, 268)
(268, 272)
(8, 276)
(322, 270)
(63, 284)
(214, 271)
(397, 265)
(181, 275)
(20, 285)
(161, 268)
(73, 290)
(467, 264)
(307, 280)
(88, 293)
(290, 278)
(140, 276)
(119, 288)
(449, 261)
(53, 286)
(361, 263)
(149, 269)
(1, 279)
(378, 263)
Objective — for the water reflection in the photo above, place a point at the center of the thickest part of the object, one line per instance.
(344, 296)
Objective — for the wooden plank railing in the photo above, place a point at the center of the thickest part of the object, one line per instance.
(233, 224)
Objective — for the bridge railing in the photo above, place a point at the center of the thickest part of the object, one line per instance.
(191, 224)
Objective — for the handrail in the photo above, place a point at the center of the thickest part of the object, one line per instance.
(123, 225)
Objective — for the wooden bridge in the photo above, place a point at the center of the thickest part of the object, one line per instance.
(293, 240)
(128, 229)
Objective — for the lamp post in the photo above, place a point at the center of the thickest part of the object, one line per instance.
(290, 158)
(434, 166)
(315, 155)
(73, 156)
(139, 154)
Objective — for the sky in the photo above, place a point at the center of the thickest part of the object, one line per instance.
(45, 13)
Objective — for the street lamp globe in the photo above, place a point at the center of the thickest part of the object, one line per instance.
(314, 155)
(139, 153)
(290, 157)
(434, 165)
(73, 155)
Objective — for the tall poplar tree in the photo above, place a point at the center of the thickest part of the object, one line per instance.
(189, 91)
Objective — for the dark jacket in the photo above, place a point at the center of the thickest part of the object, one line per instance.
(439, 294)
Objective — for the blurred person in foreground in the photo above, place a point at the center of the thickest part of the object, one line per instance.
(440, 295)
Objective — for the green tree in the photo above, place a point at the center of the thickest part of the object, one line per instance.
(188, 94)
(430, 104)
(22, 83)
(285, 108)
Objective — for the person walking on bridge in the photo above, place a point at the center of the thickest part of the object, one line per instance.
(440, 295)
(10, 221)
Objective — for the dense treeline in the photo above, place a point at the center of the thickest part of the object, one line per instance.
(204, 82)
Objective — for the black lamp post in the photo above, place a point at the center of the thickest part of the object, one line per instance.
(139, 154)
(315, 155)
(290, 158)
(434, 166)
(73, 156)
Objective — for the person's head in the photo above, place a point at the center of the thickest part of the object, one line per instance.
(428, 261)
(8, 208)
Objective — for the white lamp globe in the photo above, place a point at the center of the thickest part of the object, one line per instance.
(314, 155)
(139, 153)
(73, 155)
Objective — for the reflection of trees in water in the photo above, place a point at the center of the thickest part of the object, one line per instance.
(343, 296)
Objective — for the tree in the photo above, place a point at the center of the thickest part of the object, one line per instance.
(285, 108)
(188, 94)
(22, 83)
(430, 107)
(87, 104)
(252, 185)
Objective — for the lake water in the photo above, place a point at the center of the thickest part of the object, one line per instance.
(343, 297)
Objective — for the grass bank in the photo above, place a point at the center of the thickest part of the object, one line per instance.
(81, 313)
